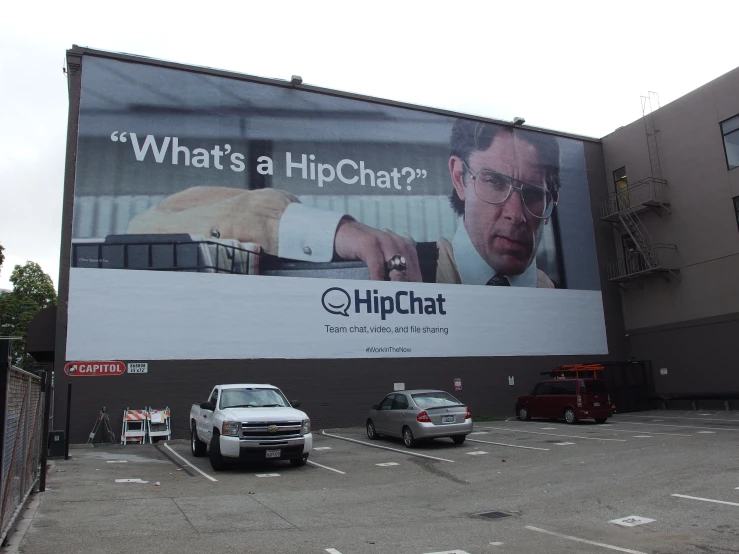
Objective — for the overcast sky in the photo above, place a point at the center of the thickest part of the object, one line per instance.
(579, 67)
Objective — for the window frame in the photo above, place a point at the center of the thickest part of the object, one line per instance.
(723, 139)
(736, 210)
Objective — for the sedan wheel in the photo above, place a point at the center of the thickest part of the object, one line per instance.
(523, 414)
(371, 431)
(408, 438)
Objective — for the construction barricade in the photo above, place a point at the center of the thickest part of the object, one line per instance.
(159, 424)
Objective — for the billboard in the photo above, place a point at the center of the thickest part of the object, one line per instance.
(219, 217)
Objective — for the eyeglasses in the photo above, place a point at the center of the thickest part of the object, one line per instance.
(495, 188)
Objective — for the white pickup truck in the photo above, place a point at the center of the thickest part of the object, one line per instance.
(249, 423)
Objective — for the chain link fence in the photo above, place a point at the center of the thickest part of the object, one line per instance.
(21, 448)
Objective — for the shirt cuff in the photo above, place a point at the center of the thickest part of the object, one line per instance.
(307, 233)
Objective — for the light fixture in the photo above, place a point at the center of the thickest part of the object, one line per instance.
(296, 80)
(518, 121)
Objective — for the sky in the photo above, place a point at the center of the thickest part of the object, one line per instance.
(578, 67)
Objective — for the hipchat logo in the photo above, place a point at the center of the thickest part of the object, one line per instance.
(337, 301)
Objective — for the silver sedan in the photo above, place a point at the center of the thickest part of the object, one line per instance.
(414, 415)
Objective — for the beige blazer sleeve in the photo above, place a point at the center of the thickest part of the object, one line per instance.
(243, 215)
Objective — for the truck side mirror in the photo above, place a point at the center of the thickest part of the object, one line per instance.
(295, 403)
(208, 405)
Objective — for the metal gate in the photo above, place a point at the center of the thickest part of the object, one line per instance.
(630, 385)
(21, 442)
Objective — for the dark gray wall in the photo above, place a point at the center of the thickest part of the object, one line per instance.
(675, 322)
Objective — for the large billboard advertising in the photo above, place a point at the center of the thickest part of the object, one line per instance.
(225, 218)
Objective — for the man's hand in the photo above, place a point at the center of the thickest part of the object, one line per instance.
(355, 241)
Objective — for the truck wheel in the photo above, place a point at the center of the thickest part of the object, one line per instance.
(197, 447)
(299, 462)
(214, 452)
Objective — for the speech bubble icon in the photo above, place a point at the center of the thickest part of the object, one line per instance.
(336, 301)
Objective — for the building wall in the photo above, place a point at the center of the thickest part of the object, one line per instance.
(685, 322)
(334, 392)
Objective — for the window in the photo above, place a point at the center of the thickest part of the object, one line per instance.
(622, 187)
(543, 389)
(593, 387)
(619, 178)
(400, 402)
(434, 399)
(387, 403)
(564, 387)
(730, 132)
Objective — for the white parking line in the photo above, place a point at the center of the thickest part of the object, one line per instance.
(325, 467)
(449, 552)
(332, 551)
(684, 417)
(476, 453)
(673, 425)
(188, 463)
(321, 448)
(652, 432)
(643, 436)
(577, 539)
(386, 448)
(706, 432)
(510, 445)
(388, 464)
(563, 443)
(555, 435)
(706, 499)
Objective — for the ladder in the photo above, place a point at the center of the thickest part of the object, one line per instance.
(158, 424)
(134, 427)
(103, 421)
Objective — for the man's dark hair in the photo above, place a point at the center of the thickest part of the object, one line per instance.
(470, 136)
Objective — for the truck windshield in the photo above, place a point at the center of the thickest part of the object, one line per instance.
(252, 398)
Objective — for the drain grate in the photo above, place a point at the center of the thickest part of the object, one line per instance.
(493, 515)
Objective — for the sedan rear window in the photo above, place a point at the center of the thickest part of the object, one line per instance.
(434, 399)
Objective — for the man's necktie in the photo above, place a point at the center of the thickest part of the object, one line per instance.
(499, 281)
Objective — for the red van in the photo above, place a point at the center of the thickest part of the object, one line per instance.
(571, 399)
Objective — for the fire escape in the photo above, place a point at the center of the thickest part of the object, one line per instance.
(641, 257)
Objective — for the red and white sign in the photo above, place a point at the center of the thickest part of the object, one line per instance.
(94, 369)
(457, 383)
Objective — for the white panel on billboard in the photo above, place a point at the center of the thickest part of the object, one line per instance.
(168, 315)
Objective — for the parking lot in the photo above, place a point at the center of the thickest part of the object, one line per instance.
(671, 478)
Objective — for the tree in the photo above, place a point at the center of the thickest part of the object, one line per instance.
(33, 290)
(2, 256)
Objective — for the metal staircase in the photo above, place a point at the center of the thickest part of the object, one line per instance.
(621, 208)
(636, 230)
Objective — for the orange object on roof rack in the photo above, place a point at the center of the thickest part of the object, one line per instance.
(577, 371)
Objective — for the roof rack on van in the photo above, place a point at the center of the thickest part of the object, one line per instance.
(576, 371)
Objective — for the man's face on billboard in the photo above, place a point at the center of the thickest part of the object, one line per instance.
(505, 235)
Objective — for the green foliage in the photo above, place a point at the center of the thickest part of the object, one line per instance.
(33, 290)
(2, 256)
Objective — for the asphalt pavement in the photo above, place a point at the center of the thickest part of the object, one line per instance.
(660, 482)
